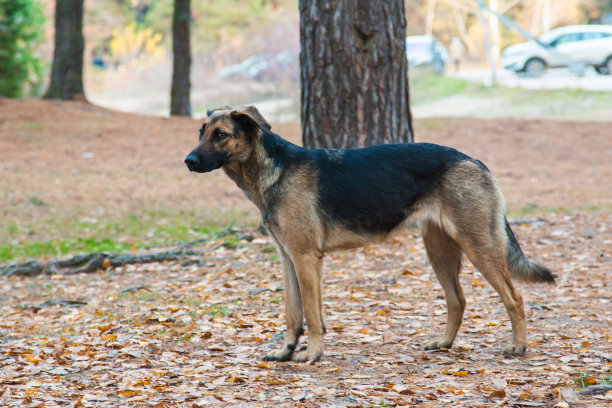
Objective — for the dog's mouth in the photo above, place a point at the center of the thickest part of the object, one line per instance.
(195, 169)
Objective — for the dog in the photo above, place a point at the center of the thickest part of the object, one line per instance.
(316, 201)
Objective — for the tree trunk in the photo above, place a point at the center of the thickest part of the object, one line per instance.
(179, 95)
(495, 33)
(461, 28)
(354, 73)
(487, 41)
(547, 15)
(431, 14)
(67, 72)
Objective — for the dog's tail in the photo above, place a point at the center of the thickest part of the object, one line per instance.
(520, 266)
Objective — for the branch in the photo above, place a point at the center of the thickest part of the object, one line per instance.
(90, 263)
(599, 389)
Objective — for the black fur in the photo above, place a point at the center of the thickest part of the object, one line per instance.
(372, 190)
(354, 186)
(281, 151)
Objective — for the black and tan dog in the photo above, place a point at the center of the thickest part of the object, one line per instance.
(315, 201)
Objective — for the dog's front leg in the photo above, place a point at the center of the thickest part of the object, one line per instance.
(293, 312)
(308, 271)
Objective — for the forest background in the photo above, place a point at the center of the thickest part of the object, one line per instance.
(247, 51)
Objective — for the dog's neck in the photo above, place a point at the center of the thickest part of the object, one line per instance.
(256, 176)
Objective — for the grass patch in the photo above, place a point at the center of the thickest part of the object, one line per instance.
(217, 310)
(59, 247)
(582, 380)
(568, 103)
(533, 209)
(37, 202)
(427, 86)
(115, 234)
(29, 126)
(13, 228)
(277, 299)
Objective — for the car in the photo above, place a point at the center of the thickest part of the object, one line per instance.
(425, 50)
(264, 67)
(582, 44)
(285, 65)
(247, 68)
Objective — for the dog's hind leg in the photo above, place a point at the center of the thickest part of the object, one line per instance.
(475, 208)
(495, 270)
(445, 257)
(294, 314)
(487, 251)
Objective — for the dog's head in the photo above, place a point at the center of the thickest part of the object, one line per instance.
(227, 136)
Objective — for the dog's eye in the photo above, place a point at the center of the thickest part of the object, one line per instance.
(218, 136)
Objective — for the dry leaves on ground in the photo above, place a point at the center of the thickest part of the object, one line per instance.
(171, 335)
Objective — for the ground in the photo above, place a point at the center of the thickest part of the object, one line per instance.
(194, 333)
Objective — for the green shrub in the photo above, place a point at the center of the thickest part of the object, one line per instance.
(21, 29)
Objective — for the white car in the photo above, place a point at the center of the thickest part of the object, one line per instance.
(425, 50)
(587, 44)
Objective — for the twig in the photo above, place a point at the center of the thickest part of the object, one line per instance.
(60, 302)
(595, 389)
(133, 288)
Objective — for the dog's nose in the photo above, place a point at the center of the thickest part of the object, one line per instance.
(191, 160)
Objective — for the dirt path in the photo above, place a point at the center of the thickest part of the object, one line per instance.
(83, 161)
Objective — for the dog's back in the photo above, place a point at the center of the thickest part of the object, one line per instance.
(374, 189)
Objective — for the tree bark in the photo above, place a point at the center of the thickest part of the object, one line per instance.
(354, 73)
(181, 46)
(495, 31)
(67, 72)
(461, 28)
(431, 14)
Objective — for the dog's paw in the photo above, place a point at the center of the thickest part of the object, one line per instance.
(283, 354)
(514, 350)
(308, 355)
(438, 344)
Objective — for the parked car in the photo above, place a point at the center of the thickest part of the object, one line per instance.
(285, 65)
(248, 68)
(261, 67)
(587, 44)
(425, 50)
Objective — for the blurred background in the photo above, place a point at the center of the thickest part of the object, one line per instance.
(247, 51)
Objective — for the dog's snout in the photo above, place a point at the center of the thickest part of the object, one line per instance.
(203, 162)
(191, 160)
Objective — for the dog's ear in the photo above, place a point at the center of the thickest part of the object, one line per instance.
(211, 112)
(249, 117)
